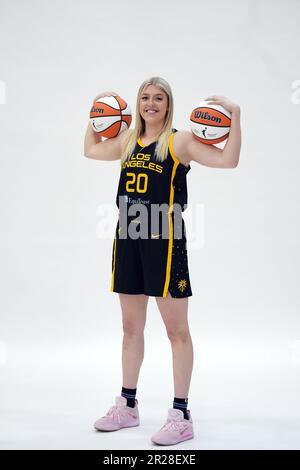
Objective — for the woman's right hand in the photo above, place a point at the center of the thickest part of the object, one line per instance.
(105, 93)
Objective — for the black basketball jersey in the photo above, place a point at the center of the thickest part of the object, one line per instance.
(144, 180)
(154, 264)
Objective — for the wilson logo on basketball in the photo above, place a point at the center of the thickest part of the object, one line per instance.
(210, 123)
(97, 110)
(207, 116)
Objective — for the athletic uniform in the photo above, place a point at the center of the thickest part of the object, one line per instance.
(153, 265)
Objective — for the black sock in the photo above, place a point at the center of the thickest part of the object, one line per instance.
(129, 394)
(181, 404)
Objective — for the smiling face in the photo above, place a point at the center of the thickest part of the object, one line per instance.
(153, 104)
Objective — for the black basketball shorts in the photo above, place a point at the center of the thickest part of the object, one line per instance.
(152, 266)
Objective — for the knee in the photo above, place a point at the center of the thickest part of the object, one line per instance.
(178, 335)
(131, 329)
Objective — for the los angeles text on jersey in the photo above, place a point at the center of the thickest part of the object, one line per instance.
(141, 160)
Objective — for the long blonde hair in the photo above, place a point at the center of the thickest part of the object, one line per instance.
(161, 150)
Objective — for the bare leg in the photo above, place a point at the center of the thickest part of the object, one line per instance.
(134, 310)
(174, 314)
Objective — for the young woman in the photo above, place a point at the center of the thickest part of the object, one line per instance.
(155, 159)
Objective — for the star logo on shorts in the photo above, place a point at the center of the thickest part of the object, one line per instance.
(182, 284)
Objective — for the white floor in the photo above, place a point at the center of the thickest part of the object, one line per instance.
(50, 397)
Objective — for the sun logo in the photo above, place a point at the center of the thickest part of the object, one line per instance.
(182, 284)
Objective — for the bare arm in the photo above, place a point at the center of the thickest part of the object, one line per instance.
(231, 151)
(91, 139)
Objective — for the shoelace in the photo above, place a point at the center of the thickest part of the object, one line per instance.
(174, 426)
(115, 412)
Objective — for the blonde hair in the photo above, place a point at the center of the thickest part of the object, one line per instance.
(161, 150)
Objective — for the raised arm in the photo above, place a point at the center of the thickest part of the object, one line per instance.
(97, 148)
(192, 149)
(91, 139)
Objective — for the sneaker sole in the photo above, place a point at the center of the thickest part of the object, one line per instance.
(173, 443)
(118, 429)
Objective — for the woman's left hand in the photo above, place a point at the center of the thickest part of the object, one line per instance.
(223, 101)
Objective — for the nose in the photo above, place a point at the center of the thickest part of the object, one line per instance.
(151, 102)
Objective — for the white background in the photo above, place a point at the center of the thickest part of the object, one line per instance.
(60, 338)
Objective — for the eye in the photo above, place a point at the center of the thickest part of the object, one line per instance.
(145, 97)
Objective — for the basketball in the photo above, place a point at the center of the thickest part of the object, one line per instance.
(210, 123)
(110, 115)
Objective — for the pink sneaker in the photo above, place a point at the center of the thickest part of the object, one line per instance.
(119, 416)
(176, 429)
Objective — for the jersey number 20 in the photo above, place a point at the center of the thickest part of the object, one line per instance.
(137, 182)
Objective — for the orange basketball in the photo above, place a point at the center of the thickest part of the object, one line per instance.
(110, 116)
(210, 123)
